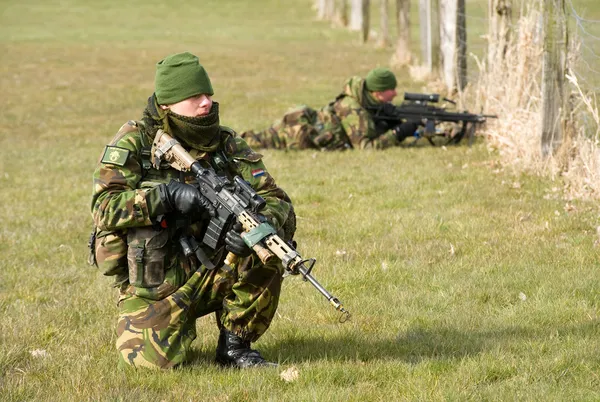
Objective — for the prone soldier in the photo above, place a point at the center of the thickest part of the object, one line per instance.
(345, 123)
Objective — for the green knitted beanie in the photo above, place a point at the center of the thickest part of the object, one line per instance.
(380, 79)
(178, 77)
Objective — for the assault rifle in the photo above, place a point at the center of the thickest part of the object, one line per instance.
(416, 108)
(237, 200)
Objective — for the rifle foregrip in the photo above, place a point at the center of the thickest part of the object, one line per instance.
(263, 253)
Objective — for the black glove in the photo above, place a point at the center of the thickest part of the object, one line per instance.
(407, 129)
(185, 199)
(389, 109)
(235, 243)
(381, 126)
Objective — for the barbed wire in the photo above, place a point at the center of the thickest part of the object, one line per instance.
(592, 51)
(586, 32)
(578, 17)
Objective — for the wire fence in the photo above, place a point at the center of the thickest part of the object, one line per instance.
(585, 39)
(514, 88)
(477, 24)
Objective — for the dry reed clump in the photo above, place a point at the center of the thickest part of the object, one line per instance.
(512, 90)
(582, 170)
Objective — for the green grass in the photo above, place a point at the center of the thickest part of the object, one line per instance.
(465, 282)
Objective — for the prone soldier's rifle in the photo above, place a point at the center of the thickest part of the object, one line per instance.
(237, 200)
(416, 107)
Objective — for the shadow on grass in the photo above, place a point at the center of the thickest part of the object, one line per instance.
(412, 346)
(418, 344)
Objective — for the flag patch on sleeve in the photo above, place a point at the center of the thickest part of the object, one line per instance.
(258, 172)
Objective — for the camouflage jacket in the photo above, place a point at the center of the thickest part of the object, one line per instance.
(348, 113)
(125, 186)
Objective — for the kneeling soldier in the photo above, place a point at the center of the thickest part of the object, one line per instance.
(144, 212)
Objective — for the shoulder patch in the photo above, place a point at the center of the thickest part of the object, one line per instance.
(115, 155)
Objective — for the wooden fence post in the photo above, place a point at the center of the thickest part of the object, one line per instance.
(384, 38)
(553, 76)
(453, 43)
(430, 34)
(356, 16)
(402, 54)
(461, 45)
(341, 13)
(500, 18)
(425, 33)
(366, 21)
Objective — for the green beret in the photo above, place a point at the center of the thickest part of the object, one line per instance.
(178, 77)
(380, 79)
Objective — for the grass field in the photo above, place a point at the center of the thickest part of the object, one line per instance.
(465, 281)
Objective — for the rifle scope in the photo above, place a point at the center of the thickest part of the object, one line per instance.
(409, 96)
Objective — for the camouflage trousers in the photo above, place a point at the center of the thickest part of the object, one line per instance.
(300, 128)
(158, 334)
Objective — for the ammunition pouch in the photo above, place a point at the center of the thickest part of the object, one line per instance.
(147, 255)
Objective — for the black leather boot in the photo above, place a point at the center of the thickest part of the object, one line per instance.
(233, 351)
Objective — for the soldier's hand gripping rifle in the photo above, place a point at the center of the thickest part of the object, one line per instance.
(239, 201)
(416, 107)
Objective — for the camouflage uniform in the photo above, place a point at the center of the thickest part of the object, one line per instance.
(158, 307)
(343, 124)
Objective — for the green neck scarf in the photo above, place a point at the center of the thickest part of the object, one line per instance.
(369, 100)
(356, 88)
(202, 133)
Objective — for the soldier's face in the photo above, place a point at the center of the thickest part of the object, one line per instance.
(195, 106)
(385, 96)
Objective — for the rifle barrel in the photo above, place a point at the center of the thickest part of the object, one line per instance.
(332, 299)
